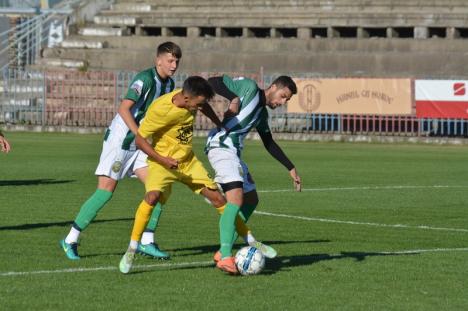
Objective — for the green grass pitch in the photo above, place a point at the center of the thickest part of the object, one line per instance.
(377, 227)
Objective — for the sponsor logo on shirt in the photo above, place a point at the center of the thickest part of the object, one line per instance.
(185, 134)
(137, 86)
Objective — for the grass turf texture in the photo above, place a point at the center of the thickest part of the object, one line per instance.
(324, 265)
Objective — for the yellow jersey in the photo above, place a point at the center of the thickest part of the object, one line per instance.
(170, 128)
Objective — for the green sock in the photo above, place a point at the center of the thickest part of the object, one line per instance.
(154, 219)
(246, 211)
(227, 229)
(91, 207)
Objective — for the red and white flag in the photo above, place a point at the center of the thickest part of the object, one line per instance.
(441, 99)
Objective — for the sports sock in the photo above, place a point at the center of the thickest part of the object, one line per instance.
(142, 217)
(249, 238)
(148, 235)
(132, 246)
(241, 228)
(227, 228)
(72, 236)
(91, 207)
(247, 210)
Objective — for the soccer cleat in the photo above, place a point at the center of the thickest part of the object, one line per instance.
(217, 257)
(126, 262)
(71, 250)
(267, 251)
(228, 265)
(152, 250)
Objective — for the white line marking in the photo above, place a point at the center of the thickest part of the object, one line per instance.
(366, 188)
(205, 263)
(434, 250)
(360, 223)
(110, 268)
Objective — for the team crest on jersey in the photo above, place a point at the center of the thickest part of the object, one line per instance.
(185, 134)
(137, 86)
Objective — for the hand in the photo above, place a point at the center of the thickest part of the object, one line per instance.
(4, 145)
(233, 108)
(170, 163)
(296, 180)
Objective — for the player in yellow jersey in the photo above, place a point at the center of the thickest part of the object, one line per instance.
(169, 125)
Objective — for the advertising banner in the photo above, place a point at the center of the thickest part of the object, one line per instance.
(441, 99)
(352, 96)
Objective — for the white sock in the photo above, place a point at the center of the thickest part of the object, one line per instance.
(132, 246)
(147, 238)
(72, 236)
(250, 239)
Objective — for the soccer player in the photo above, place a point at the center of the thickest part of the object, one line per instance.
(247, 110)
(119, 157)
(4, 144)
(169, 126)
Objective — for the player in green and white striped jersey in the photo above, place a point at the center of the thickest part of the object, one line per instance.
(119, 157)
(247, 111)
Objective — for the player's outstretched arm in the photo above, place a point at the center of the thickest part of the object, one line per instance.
(4, 144)
(145, 146)
(233, 108)
(208, 111)
(276, 152)
(296, 179)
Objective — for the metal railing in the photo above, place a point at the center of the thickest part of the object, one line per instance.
(91, 99)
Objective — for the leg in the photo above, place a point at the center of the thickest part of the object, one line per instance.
(250, 203)
(87, 214)
(147, 246)
(141, 220)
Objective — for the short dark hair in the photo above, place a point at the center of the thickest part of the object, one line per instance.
(171, 48)
(286, 81)
(197, 86)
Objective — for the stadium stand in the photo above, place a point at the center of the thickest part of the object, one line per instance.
(331, 38)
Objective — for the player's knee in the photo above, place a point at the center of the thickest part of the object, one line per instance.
(152, 197)
(217, 199)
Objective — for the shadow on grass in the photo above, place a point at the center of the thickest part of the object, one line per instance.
(279, 264)
(54, 224)
(284, 263)
(33, 182)
(197, 250)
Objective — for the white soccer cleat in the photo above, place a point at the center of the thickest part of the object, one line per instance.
(126, 262)
(266, 250)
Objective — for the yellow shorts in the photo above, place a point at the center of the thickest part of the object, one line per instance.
(191, 173)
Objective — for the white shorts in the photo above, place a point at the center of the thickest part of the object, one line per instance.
(117, 163)
(229, 168)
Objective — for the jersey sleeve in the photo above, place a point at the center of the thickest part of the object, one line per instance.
(139, 86)
(154, 121)
(242, 87)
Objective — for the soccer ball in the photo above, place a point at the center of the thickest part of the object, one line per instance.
(249, 260)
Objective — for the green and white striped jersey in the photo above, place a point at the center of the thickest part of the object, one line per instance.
(145, 87)
(252, 114)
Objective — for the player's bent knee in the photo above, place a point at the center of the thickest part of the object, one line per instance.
(152, 197)
(217, 199)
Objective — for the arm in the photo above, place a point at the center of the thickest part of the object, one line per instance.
(124, 112)
(233, 108)
(221, 89)
(208, 111)
(272, 147)
(4, 144)
(146, 147)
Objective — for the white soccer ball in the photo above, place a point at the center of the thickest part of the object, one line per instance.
(249, 260)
